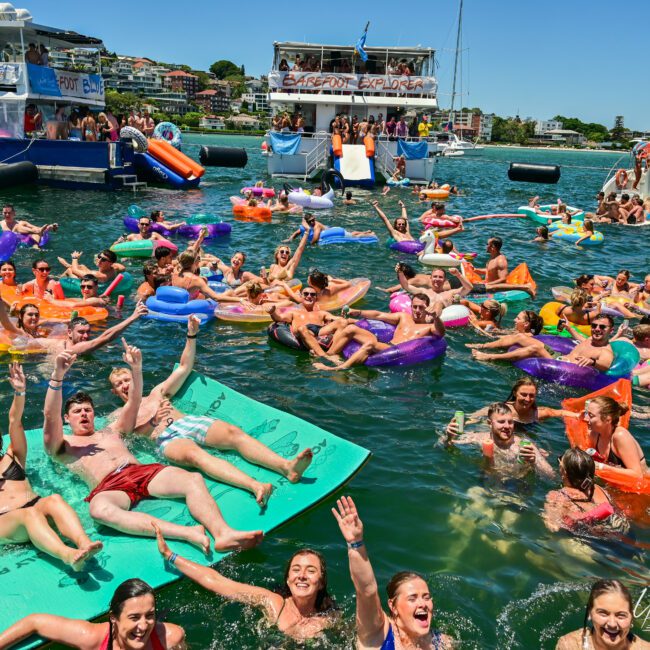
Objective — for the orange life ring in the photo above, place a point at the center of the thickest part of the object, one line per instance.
(621, 178)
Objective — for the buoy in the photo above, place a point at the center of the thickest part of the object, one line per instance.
(223, 156)
(19, 173)
(531, 173)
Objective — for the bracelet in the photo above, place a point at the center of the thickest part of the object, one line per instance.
(20, 393)
(54, 387)
(53, 379)
(358, 544)
(192, 336)
(172, 558)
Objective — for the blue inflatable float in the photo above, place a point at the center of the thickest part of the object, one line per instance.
(173, 304)
(338, 235)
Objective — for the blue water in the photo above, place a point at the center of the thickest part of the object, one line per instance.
(498, 577)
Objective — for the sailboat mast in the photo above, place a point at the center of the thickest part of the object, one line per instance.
(453, 87)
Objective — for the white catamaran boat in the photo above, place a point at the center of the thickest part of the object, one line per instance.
(322, 81)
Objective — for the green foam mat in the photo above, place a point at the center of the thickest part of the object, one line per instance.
(33, 582)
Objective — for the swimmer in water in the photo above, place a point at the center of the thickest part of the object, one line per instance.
(410, 606)
(301, 609)
(502, 446)
(131, 624)
(609, 616)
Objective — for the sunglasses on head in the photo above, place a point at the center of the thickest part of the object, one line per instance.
(43, 268)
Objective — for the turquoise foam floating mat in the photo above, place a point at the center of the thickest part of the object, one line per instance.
(33, 582)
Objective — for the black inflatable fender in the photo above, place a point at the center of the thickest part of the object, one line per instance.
(19, 173)
(534, 173)
(223, 156)
(326, 183)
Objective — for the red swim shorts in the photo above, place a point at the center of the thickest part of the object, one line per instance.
(132, 479)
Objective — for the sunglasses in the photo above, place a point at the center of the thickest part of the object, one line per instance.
(309, 293)
(43, 269)
(144, 223)
(87, 286)
(284, 252)
(599, 327)
(103, 259)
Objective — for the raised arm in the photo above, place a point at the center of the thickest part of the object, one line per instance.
(384, 218)
(175, 381)
(126, 422)
(393, 319)
(5, 321)
(371, 620)
(297, 256)
(16, 429)
(85, 347)
(72, 632)
(53, 422)
(465, 285)
(280, 318)
(214, 581)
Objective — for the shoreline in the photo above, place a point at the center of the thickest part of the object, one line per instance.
(565, 149)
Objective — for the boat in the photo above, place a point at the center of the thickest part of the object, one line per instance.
(621, 178)
(61, 159)
(339, 82)
(455, 146)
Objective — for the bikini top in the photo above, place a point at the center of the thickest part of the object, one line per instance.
(14, 471)
(155, 641)
(389, 641)
(612, 458)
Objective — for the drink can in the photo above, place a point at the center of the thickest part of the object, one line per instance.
(591, 452)
(74, 314)
(345, 310)
(459, 416)
(524, 442)
(488, 449)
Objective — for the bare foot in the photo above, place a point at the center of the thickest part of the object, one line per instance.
(262, 492)
(533, 201)
(299, 464)
(322, 366)
(385, 190)
(82, 555)
(334, 358)
(480, 356)
(233, 540)
(529, 289)
(198, 537)
(63, 262)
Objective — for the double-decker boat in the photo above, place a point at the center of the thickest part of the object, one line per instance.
(319, 82)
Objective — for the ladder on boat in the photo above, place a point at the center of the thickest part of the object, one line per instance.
(130, 180)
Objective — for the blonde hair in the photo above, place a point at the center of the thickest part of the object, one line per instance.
(610, 408)
(578, 298)
(588, 225)
(116, 372)
(187, 259)
(497, 309)
(254, 289)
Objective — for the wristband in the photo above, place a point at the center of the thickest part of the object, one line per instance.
(20, 393)
(192, 336)
(54, 387)
(53, 379)
(172, 558)
(358, 544)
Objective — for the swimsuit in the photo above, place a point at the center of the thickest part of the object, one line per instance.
(389, 641)
(324, 341)
(16, 472)
(129, 478)
(189, 427)
(603, 514)
(587, 315)
(612, 458)
(479, 288)
(156, 644)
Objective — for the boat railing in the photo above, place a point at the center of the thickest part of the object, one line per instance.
(316, 156)
(384, 159)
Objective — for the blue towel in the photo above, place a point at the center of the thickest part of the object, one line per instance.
(412, 150)
(285, 143)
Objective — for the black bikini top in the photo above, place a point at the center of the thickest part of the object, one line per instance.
(14, 471)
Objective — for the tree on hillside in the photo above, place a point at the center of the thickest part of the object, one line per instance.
(618, 132)
(204, 78)
(121, 102)
(224, 68)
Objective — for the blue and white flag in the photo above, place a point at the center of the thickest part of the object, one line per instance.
(361, 44)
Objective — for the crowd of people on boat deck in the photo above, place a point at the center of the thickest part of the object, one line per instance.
(346, 65)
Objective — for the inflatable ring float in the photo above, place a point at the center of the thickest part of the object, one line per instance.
(169, 132)
(140, 143)
(191, 231)
(141, 247)
(173, 304)
(549, 315)
(410, 247)
(439, 194)
(266, 192)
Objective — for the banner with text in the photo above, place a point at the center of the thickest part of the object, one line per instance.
(61, 83)
(333, 81)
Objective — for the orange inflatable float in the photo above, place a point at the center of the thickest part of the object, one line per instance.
(176, 160)
(337, 146)
(578, 435)
(53, 310)
(251, 213)
(369, 144)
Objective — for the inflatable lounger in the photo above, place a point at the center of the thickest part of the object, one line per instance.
(32, 582)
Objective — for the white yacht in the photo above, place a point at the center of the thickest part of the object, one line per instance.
(453, 145)
(623, 180)
(321, 81)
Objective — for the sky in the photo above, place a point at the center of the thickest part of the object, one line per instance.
(527, 58)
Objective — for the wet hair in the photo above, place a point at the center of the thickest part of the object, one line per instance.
(606, 317)
(578, 298)
(599, 588)
(23, 311)
(90, 278)
(38, 261)
(155, 214)
(624, 272)
(625, 197)
(498, 408)
(421, 296)
(579, 469)
(112, 257)
(497, 242)
(542, 231)
(162, 251)
(324, 602)
(524, 381)
(398, 580)
(561, 207)
(407, 270)
(148, 268)
(254, 289)
(9, 263)
(588, 225)
(581, 280)
(318, 279)
(447, 246)
(348, 195)
(497, 309)
(9, 206)
(187, 259)
(160, 279)
(641, 332)
(534, 320)
(610, 408)
(79, 320)
(80, 397)
(132, 588)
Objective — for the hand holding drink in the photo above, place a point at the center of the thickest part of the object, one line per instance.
(526, 452)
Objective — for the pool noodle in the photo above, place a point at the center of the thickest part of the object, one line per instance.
(112, 286)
